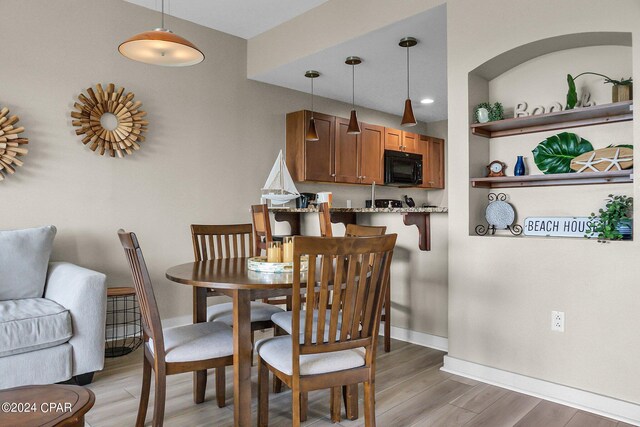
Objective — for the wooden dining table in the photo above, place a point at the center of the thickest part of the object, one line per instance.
(232, 278)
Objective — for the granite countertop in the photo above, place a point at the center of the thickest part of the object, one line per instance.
(437, 209)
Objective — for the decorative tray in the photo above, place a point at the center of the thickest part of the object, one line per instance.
(259, 263)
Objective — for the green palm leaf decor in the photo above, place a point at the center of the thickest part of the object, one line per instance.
(554, 154)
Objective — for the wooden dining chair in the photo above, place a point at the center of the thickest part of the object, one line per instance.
(176, 350)
(355, 230)
(325, 220)
(345, 353)
(262, 237)
(229, 241)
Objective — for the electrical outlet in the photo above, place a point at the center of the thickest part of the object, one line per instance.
(557, 321)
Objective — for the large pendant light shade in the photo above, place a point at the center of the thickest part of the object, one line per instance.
(354, 126)
(312, 134)
(408, 119)
(161, 47)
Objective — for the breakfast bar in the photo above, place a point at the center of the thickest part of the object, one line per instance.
(420, 217)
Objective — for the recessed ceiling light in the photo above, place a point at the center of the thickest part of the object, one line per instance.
(426, 101)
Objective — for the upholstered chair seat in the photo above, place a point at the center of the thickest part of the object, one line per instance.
(199, 341)
(260, 312)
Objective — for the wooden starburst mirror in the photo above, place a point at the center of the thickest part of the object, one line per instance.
(11, 144)
(109, 120)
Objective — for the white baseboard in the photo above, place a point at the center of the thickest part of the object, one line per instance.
(419, 338)
(580, 399)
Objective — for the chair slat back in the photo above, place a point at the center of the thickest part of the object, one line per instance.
(345, 286)
(325, 220)
(261, 227)
(151, 324)
(355, 230)
(221, 241)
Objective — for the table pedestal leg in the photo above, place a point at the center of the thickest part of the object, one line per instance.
(241, 358)
(199, 316)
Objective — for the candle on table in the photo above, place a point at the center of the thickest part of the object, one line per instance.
(287, 249)
(274, 252)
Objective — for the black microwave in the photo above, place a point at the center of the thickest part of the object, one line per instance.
(402, 168)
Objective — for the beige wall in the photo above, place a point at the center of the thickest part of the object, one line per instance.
(212, 139)
(502, 290)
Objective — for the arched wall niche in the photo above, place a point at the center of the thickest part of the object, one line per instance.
(481, 86)
(521, 54)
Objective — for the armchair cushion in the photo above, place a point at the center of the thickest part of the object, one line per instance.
(32, 323)
(24, 261)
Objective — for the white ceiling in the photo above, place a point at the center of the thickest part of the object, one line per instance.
(381, 78)
(242, 18)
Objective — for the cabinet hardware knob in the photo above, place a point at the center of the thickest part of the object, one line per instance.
(333, 174)
(431, 182)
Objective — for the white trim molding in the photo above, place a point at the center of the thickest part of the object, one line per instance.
(418, 338)
(592, 402)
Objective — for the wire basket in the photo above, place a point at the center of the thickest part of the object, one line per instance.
(124, 324)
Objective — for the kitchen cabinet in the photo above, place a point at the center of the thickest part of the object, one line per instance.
(347, 156)
(432, 150)
(311, 160)
(392, 139)
(410, 142)
(355, 159)
(371, 154)
(398, 140)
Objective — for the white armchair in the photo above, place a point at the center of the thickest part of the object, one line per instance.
(53, 332)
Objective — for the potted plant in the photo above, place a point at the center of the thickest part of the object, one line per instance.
(622, 89)
(613, 222)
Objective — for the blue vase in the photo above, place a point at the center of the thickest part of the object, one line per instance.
(518, 170)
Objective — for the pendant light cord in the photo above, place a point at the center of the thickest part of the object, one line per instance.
(408, 97)
(312, 98)
(353, 86)
(162, 11)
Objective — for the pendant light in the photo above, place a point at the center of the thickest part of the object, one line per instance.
(354, 126)
(408, 119)
(161, 47)
(312, 135)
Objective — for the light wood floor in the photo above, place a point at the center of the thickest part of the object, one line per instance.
(410, 391)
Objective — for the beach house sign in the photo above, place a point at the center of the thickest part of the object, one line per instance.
(558, 226)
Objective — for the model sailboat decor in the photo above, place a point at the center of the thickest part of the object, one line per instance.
(279, 187)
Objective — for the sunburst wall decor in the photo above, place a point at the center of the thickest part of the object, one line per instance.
(128, 131)
(11, 144)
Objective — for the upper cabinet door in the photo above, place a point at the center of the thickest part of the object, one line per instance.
(392, 139)
(436, 162)
(372, 154)
(433, 162)
(319, 155)
(410, 142)
(346, 154)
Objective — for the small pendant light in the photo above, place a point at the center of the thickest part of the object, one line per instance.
(408, 119)
(354, 126)
(312, 135)
(161, 47)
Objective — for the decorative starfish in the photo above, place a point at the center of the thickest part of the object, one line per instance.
(588, 164)
(615, 161)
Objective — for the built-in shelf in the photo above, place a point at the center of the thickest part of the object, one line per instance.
(585, 178)
(587, 116)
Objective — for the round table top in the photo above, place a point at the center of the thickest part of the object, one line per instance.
(44, 405)
(230, 273)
